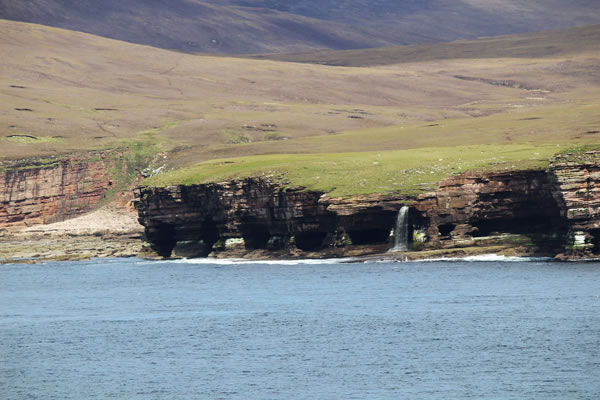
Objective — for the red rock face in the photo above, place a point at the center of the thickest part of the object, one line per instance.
(44, 194)
(559, 207)
(482, 204)
(578, 177)
(579, 180)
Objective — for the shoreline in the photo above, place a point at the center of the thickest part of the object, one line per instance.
(106, 232)
(39, 249)
(483, 258)
(115, 233)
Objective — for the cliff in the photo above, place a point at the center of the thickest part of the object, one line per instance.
(537, 212)
(45, 191)
(475, 208)
(191, 220)
(578, 177)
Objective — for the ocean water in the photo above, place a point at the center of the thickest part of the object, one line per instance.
(132, 329)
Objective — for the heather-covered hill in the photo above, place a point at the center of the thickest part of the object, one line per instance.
(533, 45)
(271, 26)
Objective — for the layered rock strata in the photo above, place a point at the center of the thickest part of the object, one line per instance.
(578, 178)
(475, 207)
(54, 190)
(543, 212)
(192, 220)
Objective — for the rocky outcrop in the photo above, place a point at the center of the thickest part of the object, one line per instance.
(542, 212)
(549, 212)
(51, 190)
(578, 178)
(470, 207)
(192, 220)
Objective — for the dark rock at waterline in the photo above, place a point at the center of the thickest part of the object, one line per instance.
(266, 215)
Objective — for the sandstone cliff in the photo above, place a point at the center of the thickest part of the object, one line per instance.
(578, 177)
(541, 212)
(266, 215)
(55, 189)
(474, 208)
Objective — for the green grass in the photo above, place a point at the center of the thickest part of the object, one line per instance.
(567, 125)
(578, 151)
(22, 138)
(236, 137)
(407, 172)
(35, 163)
(137, 155)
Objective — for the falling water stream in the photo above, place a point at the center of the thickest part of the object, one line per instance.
(401, 231)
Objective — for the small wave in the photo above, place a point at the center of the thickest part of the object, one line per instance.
(237, 261)
(488, 258)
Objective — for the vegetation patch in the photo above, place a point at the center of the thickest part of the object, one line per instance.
(31, 163)
(274, 136)
(127, 164)
(574, 153)
(21, 138)
(236, 137)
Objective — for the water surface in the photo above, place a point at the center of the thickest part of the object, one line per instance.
(131, 329)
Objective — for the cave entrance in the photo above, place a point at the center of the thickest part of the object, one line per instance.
(164, 240)
(446, 229)
(540, 225)
(546, 234)
(310, 241)
(256, 237)
(370, 236)
(256, 234)
(209, 235)
(210, 232)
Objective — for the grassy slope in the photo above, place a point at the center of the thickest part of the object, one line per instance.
(348, 130)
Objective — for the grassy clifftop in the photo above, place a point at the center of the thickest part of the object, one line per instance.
(344, 174)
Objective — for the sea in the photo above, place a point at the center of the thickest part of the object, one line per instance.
(481, 328)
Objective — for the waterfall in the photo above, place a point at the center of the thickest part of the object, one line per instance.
(401, 231)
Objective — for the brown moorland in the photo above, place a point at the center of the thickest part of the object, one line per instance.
(64, 91)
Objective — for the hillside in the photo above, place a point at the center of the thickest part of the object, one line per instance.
(406, 124)
(273, 26)
(534, 45)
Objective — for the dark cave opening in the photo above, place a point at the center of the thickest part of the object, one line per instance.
(446, 229)
(310, 241)
(369, 236)
(544, 233)
(256, 236)
(164, 242)
(539, 225)
(210, 233)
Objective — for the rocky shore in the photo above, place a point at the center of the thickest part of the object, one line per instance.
(102, 233)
